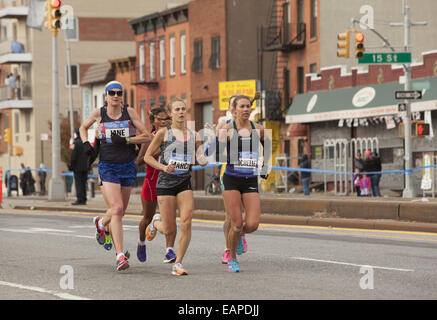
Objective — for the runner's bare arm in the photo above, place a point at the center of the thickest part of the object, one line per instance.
(153, 148)
(142, 136)
(93, 117)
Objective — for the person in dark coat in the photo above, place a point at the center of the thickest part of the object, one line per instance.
(79, 165)
(305, 175)
(371, 165)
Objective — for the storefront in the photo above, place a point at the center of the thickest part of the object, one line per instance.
(367, 112)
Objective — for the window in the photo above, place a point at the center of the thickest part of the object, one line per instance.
(313, 68)
(152, 59)
(132, 98)
(197, 60)
(172, 56)
(214, 60)
(74, 68)
(313, 18)
(161, 58)
(162, 101)
(142, 62)
(143, 111)
(72, 31)
(17, 122)
(27, 120)
(183, 54)
(300, 79)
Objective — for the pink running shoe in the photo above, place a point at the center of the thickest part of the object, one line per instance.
(244, 244)
(226, 257)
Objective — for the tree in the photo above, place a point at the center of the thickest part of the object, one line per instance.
(65, 135)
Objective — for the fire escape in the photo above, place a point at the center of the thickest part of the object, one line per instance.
(281, 37)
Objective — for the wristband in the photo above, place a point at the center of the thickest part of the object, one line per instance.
(127, 140)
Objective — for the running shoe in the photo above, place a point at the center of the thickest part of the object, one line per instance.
(151, 230)
(141, 252)
(240, 248)
(226, 257)
(100, 234)
(122, 263)
(126, 253)
(178, 270)
(233, 266)
(108, 241)
(170, 256)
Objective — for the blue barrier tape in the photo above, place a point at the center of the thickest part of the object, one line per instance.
(212, 165)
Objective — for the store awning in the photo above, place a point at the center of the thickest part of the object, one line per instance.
(359, 102)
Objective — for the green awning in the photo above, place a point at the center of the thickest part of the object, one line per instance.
(358, 102)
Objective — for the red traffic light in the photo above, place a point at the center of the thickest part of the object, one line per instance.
(359, 37)
(56, 3)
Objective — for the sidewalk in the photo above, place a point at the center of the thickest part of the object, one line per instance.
(318, 209)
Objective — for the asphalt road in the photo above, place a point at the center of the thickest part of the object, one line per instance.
(47, 255)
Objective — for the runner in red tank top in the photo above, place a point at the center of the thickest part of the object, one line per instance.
(158, 119)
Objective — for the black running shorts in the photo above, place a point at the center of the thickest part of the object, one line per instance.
(241, 184)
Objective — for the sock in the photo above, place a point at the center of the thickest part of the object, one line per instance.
(142, 243)
(120, 255)
(169, 248)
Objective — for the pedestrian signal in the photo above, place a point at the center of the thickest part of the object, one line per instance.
(422, 129)
(359, 45)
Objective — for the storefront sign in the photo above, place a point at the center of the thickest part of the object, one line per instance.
(228, 88)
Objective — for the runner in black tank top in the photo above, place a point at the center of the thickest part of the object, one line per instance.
(120, 128)
(174, 187)
(240, 181)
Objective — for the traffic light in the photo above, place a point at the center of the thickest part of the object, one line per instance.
(53, 16)
(422, 129)
(7, 136)
(359, 45)
(18, 151)
(343, 44)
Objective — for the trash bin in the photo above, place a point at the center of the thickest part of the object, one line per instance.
(12, 184)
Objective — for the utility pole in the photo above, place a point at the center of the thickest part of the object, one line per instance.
(70, 93)
(407, 23)
(56, 185)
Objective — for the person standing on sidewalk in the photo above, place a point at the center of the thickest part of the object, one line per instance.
(241, 140)
(305, 175)
(176, 144)
(159, 119)
(79, 165)
(119, 128)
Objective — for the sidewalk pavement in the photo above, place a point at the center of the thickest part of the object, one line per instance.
(318, 209)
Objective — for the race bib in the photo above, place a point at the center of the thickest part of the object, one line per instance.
(120, 128)
(247, 162)
(181, 162)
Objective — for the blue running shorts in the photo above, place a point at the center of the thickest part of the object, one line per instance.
(123, 174)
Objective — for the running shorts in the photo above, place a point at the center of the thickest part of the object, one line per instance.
(241, 184)
(123, 174)
(173, 191)
(149, 190)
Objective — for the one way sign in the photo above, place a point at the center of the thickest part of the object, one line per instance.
(414, 94)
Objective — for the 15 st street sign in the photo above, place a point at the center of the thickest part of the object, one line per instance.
(386, 58)
(413, 94)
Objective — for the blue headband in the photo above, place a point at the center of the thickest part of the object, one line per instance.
(113, 86)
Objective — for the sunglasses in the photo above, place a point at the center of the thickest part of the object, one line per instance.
(112, 93)
(163, 119)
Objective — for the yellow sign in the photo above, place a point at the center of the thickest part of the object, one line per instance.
(228, 88)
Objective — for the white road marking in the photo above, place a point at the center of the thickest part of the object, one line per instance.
(353, 264)
(31, 230)
(61, 295)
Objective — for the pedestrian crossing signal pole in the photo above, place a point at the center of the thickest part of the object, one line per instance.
(53, 23)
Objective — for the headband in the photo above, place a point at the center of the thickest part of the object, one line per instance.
(114, 85)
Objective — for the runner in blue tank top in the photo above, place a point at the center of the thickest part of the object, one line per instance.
(119, 130)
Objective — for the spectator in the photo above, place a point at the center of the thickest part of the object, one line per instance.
(23, 182)
(365, 185)
(305, 175)
(357, 182)
(371, 165)
(30, 181)
(358, 162)
(12, 82)
(377, 177)
(79, 165)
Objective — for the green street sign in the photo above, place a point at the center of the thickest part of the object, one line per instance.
(385, 58)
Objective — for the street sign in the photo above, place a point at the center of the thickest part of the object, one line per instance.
(414, 94)
(386, 58)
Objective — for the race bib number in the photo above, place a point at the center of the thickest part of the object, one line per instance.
(181, 163)
(120, 128)
(247, 162)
